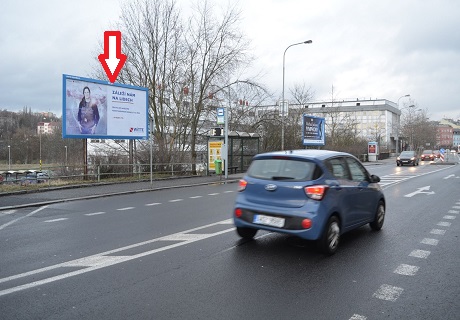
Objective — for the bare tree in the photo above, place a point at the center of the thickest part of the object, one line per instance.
(152, 33)
(184, 65)
(215, 50)
(417, 131)
(301, 94)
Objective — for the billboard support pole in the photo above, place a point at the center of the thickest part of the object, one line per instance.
(85, 160)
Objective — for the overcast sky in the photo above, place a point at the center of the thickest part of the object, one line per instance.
(363, 48)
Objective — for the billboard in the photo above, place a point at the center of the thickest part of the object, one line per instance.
(313, 131)
(372, 148)
(99, 109)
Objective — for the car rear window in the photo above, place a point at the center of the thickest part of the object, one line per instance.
(407, 154)
(284, 169)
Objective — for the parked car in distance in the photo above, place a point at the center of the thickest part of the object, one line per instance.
(407, 157)
(427, 155)
(312, 194)
(42, 177)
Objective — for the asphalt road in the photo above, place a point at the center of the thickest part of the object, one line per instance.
(173, 254)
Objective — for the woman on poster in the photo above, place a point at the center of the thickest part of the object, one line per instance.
(88, 113)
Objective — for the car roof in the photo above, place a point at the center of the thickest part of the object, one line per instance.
(303, 154)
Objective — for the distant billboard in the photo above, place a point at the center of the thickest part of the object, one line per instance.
(313, 131)
(99, 109)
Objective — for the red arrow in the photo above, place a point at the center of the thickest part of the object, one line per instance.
(112, 60)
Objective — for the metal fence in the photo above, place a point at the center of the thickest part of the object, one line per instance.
(99, 173)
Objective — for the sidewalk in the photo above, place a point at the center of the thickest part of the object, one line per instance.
(23, 199)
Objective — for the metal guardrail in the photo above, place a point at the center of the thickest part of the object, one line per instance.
(98, 173)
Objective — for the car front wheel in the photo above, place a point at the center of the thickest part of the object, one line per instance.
(330, 239)
(246, 233)
(377, 224)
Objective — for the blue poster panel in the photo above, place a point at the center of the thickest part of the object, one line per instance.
(100, 109)
(313, 133)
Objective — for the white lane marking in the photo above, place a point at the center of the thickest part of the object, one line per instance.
(357, 317)
(420, 190)
(453, 211)
(176, 200)
(196, 197)
(431, 242)
(56, 220)
(420, 254)
(406, 270)
(438, 231)
(185, 237)
(94, 213)
(127, 208)
(11, 211)
(153, 204)
(444, 224)
(3, 226)
(229, 191)
(449, 217)
(387, 292)
(106, 259)
(456, 207)
(213, 194)
(387, 185)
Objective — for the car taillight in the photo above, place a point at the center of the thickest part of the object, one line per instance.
(306, 223)
(242, 185)
(238, 212)
(316, 192)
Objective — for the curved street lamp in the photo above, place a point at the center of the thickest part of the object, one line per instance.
(397, 133)
(283, 103)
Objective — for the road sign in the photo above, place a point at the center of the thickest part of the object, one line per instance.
(220, 116)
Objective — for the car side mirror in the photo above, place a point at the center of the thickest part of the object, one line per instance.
(375, 179)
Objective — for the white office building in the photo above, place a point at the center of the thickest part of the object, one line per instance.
(374, 119)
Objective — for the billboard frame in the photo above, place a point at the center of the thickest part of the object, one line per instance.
(137, 123)
(317, 130)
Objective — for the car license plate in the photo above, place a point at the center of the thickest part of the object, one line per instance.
(269, 221)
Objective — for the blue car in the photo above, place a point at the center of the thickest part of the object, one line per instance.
(313, 194)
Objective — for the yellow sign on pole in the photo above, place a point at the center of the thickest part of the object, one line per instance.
(214, 152)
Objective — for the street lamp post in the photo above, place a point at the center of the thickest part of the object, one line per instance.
(397, 133)
(65, 155)
(409, 121)
(283, 105)
(9, 157)
(40, 155)
(40, 134)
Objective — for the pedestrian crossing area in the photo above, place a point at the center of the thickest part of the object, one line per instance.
(394, 178)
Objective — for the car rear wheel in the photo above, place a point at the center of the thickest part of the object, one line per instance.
(330, 239)
(246, 233)
(377, 224)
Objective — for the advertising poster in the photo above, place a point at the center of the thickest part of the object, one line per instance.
(372, 148)
(99, 109)
(214, 152)
(313, 131)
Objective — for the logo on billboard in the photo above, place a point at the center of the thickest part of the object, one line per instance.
(136, 129)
